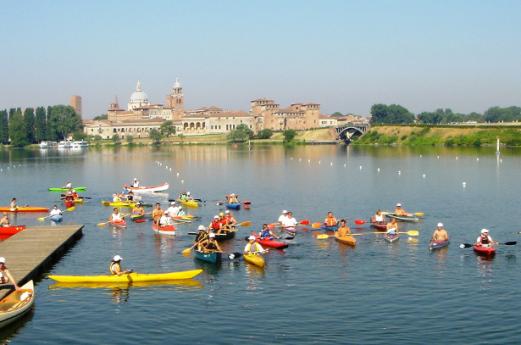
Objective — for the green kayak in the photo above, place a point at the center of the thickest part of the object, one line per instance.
(62, 189)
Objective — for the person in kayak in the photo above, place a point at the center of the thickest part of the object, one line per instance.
(267, 233)
(330, 220)
(439, 234)
(115, 217)
(138, 210)
(231, 222)
(211, 245)
(399, 211)
(253, 247)
(157, 213)
(165, 219)
(289, 223)
(130, 196)
(378, 217)
(232, 199)
(116, 198)
(343, 229)
(174, 209)
(392, 227)
(202, 236)
(115, 266)
(12, 205)
(6, 276)
(224, 224)
(55, 211)
(185, 196)
(283, 216)
(4, 221)
(484, 239)
(215, 225)
(135, 183)
(68, 185)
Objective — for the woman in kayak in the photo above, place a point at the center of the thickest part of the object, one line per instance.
(55, 211)
(378, 217)
(157, 213)
(485, 240)
(266, 233)
(211, 245)
(4, 221)
(253, 247)
(115, 266)
(392, 227)
(440, 234)
(138, 210)
(232, 198)
(231, 222)
(12, 205)
(115, 217)
(330, 220)
(399, 211)
(343, 229)
(5, 275)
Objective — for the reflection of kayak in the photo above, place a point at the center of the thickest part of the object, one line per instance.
(254, 259)
(56, 218)
(17, 303)
(188, 203)
(24, 209)
(164, 230)
(61, 189)
(403, 218)
(271, 243)
(349, 240)
(213, 258)
(482, 250)
(124, 285)
(391, 238)
(148, 189)
(8, 231)
(433, 245)
(233, 206)
(126, 278)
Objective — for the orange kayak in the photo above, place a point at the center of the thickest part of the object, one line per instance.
(24, 209)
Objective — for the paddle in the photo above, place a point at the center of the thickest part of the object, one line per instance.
(188, 250)
(469, 245)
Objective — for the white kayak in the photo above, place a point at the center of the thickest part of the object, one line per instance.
(16, 304)
(148, 189)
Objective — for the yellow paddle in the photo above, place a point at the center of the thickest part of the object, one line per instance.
(246, 223)
(188, 250)
(70, 209)
(410, 233)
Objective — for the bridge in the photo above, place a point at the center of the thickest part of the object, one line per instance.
(349, 131)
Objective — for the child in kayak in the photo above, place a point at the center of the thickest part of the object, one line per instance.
(440, 234)
(165, 220)
(115, 266)
(484, 239)
(4, 221)
(13, 206)
(378, 218)
(253, 247)
(5, 275)
(266, 233)
(330, 220)
(392, 227)
(343, 229)
(115, 217)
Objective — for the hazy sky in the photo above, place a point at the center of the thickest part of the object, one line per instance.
(345, 55)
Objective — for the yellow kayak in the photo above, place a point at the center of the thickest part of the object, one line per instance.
(127, 278)
(349, 240)
(188, 203)
(119, 203)
(255, 259)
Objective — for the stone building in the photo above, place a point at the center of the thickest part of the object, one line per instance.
(75, 102)
(298, 116)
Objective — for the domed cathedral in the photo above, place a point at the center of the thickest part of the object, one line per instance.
(138, 99)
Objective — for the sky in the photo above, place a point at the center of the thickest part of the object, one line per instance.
(345, 55)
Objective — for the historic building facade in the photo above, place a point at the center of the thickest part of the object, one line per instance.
(298, 116)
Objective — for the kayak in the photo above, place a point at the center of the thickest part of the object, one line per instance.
(16, 304)
(127, 278)
(164, 230)
(148, 189)
(119, 224)
(8, 231)
(185, 219)
(56, 218)
(213, 258)
(329, 228)
(119, 203)
(349, 240)
(271, 243)
(138, 218)
(24, 209)
(403, 218)
(233, 206)
(379, 226)
(62, 189)
(391, 238)
(486, 251)
(188, 203)
(255, 259)
(433, 245)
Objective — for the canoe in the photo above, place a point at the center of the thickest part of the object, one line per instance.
(213, 258)
(403, 218)
(56, 218)
(61, 189)
(16, 304)
(120, 224)
(349, 240)
(131, 277)
(119, 203)
(329, 228)
(164, 230)
(228, 235)
(254, 259)
(188, 203)
(7, 231)
(272, 243)
(24, 209)
(391, 238)
(482, 250)
(148, 189)
(379, 226)
(433, 245)
(233, 206)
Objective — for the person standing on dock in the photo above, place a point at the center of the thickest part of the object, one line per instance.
(5, 275)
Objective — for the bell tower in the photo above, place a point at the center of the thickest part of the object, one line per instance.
(175, 100)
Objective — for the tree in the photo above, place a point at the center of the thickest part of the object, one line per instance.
(115, 139)
(62, 120)
(240, 134)
(17, 129)
(289, 135)
(101, 117)
(337, 114)
(130, 140)
(156, 136)
(40, 125)
(392, 114)
(4, 128)
(167, 128)
(29, 124)
(498, 114)
(266, 133)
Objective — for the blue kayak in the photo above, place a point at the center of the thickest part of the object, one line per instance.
(438, 245)
(208, 257)
(234, 206)
(56, 218)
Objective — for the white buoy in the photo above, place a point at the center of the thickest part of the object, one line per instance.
(399, 172)
(177, 174)
(318, 162)
(500, 161)
(309, 161)
(331, 163)
(170, 169)
(182, 181)
(378, 169)
(457, 157)
(464, 184)
(477, 159)
(345, 165)
(424, 175)
(360, 167)
(438, 157)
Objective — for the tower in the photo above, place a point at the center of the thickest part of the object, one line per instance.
(175, 100)
(75, 102)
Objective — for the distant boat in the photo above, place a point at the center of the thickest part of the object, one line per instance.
(44, 145)
(78, 145)
(63, 145)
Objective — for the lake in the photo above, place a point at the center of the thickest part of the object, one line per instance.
(315, 291)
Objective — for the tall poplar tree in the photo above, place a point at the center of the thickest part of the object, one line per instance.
(17, 129)
(29, 124)
(40, 125)
(4, 127)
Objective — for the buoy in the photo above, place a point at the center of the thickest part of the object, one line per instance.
(477, 159)
(399, 172)
(318, 162)
(170, 169)
(360, 167)
(378, 169)
(331, 163)
(438, 157)
(177, 174)
(421, 156)
(182, 181)
(500, 161)
(464, 184)
(309, 161)
(345, 165)
(457, 157)
(424, 176)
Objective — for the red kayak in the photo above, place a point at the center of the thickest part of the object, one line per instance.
(120, 224)
(165, 230)
(8, 231)
(482, 250)
(379, 226)
(271, 243)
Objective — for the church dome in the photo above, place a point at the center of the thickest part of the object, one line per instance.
(138, 98)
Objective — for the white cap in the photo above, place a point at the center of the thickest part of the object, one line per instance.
(398, 205)
(212, 235)
(251, 238)
(440, 225)
(135, 178)
(2, 260)
(117, 258)
(484, 231)
(172, 203)
(201, 228)
(227, 211)
(187, 193)
(215, 217)
(165, 213)
(284, 211)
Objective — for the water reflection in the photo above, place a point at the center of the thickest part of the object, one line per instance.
(11, 330)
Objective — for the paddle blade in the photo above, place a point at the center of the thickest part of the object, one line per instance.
(70, 209)
(187, 251)
(322, 237)
(41, 219)
(305, 222)
(359, 221)
(316, 225)
(511, 243)
(413, 232)
(140, 220)
(419, 214)
(245, 223)
(465, 245)
(102, 224)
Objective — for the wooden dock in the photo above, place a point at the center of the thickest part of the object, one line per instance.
(30, 252)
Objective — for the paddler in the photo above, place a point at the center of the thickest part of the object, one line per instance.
(4, 221)
(215, 225)
(55, 211)
(283, 216)
(484, 239)
(115, 266)
(138, 210)
(211, 245)
(202, 235)
(289, 223)
(330, 220)
(378, 217)
(12, 205)
(5, 275)
(440, 234)
(115, 217)
(231, 222)
(115, 198)
(224, 224)
(165, 219)
(174, 209)
(135, 183)
(343, 229)
(266, 233)
(392, 227)
(157, 213)
(232, 198)
(399, 211)
(130, 196)
(68, 185)
(253, 247)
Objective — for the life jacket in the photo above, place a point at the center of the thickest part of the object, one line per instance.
(112, 267)
(216, 224)
(265, 233)
(211, 246)
(331, 221)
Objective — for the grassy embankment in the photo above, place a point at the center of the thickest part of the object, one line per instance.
(441, 136)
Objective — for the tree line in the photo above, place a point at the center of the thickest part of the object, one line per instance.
(397, 114)
(32, 126)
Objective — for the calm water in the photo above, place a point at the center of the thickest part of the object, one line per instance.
(316, 291)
